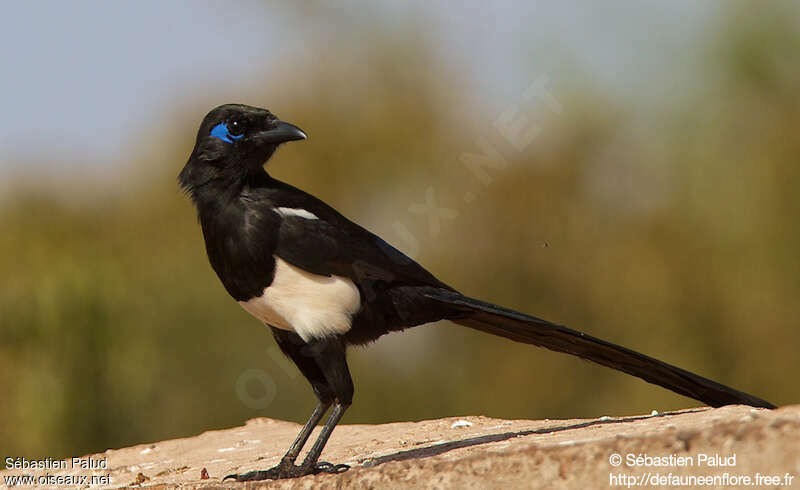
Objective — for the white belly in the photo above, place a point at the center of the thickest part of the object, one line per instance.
(313, 306)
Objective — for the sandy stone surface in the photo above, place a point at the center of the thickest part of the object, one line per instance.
(478, 452)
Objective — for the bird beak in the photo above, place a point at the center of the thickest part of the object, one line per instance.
(282, 133)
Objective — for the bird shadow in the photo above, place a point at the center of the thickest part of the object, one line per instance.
(441, 448)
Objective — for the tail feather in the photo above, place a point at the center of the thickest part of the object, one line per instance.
(519, 327)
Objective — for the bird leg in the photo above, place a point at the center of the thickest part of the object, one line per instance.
(310, 466)
(312, 457)
(297, 446)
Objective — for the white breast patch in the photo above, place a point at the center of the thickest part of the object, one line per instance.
(310, 305)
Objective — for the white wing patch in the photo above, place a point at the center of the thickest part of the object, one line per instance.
(301, 213)
(310, 305)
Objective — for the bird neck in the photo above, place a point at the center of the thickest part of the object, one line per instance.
(209, 184)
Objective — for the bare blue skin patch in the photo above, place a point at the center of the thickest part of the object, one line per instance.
(221, 131)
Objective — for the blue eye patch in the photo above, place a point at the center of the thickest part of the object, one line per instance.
(221, 131)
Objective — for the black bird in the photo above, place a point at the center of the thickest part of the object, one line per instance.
(322, 282)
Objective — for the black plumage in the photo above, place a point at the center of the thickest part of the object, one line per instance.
(321, 282)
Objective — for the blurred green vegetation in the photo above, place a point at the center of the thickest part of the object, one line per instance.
(672, 231)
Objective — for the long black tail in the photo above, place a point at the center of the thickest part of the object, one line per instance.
(519, 327)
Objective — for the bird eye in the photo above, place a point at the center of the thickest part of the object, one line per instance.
(229, 132)
(236, 128)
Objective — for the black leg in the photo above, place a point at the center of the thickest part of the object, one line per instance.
(316, 449)
(324, 364)
(302, 437)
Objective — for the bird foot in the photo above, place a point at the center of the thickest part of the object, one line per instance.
(289, 470)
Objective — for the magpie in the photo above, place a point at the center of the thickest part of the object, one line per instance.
(322, 283)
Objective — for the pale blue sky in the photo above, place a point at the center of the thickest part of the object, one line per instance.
(81, 77)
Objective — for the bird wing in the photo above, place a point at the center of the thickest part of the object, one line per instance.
(332, 244)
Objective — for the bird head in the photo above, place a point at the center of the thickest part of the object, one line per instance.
(233, 141)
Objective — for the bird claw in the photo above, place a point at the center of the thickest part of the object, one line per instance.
(283, 471)
(250, 476)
